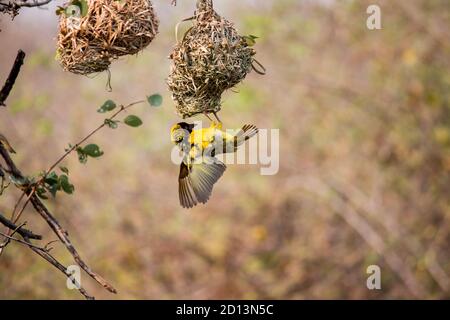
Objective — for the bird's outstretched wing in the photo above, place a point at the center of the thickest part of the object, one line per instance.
(246, 133)
(232, 143)
(196, 182)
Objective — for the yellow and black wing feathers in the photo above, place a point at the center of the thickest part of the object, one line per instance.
(184, 189)
(246, 133)
(196, 182)
(231, 144)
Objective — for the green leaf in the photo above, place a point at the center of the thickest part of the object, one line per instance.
(111, 123)
(82, 157)
(82, 5)
(60, 10)
(41, 193)
(65, 170)
(51, 179)
(93, 151)
(66, 186)
(133, 121)
(53, 189)
(250, 39)
(109, 105)
(155, 100)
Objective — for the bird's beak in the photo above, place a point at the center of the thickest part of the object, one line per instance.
(173, 132)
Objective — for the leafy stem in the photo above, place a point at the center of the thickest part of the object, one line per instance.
(78, 145)
(52, 182)
(49, 179)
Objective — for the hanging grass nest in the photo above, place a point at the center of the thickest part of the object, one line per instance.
(92, 33)
(211, 58)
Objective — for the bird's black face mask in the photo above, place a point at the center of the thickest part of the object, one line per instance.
(186, 126)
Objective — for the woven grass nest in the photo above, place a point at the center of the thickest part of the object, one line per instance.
(211, 58)
(108, 29)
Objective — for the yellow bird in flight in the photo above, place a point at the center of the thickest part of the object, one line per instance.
(200, 170)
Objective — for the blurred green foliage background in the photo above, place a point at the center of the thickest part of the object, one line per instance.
(364, 161)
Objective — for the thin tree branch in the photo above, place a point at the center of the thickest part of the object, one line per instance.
(16, 174)
(11, 238)
(23, 232)
(45, 213)
(32, 4)
(3, 186)
(53, 223)
(10, 165)
(16, 206)
(63, 236)
(27, 201)
(11, 80)
(52, 260)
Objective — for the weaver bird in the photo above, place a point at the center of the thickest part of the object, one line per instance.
(200, 170)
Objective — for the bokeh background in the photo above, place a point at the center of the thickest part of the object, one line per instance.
(364, 121)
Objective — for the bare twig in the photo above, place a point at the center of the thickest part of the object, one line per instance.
(11, 238)
(50, 259)
(10, 165)
(17, 206)
(15, 220)
(4, 93)
(32, 4)
(53, 223)
(23, 232)
(12, 7)
(27, 201)
(63, 236)
(3, 186)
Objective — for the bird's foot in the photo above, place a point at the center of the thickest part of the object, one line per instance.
(217, 117)
(207, 115)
